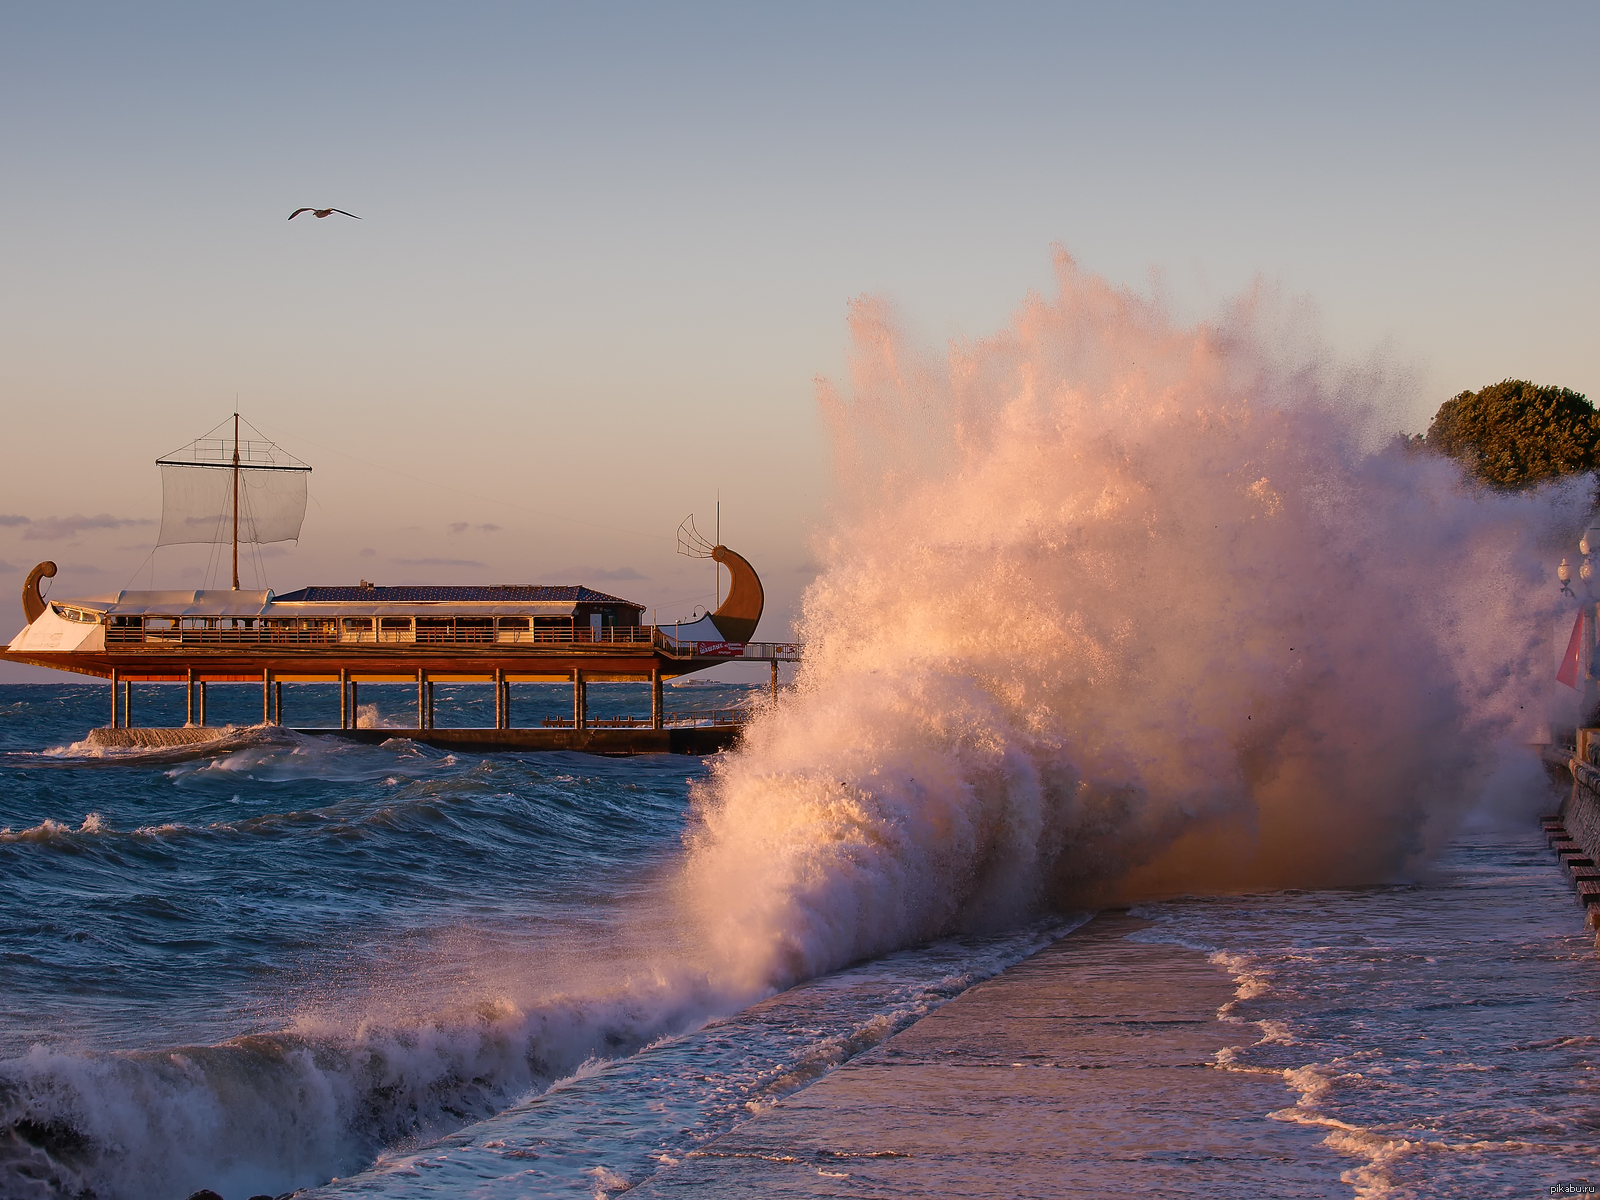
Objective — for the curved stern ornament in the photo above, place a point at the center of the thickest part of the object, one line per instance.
(737, 616)
(32, 601)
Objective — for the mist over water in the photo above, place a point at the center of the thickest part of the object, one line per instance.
(1115, 608)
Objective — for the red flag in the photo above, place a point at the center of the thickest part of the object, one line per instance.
(1569, 661)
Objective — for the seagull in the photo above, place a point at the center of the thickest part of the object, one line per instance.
(321, 212)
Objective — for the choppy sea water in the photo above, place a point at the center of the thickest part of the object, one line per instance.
(266, 963)
(260, 965)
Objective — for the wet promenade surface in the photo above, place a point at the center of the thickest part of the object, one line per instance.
(1039, 1082)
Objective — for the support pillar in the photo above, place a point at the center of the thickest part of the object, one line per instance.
(127, 704)
(580, 701)
(202, 721)
(430, 704)
(188, 716)
(344, 697)
(774, 681)
(266, 696)
(116, 708)
(657, 715)
(277, 703)
(500, 698)
(355, 706)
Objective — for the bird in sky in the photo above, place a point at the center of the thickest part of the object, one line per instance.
(321, 212)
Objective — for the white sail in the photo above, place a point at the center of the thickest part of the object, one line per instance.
(197, 504)
(197, 491)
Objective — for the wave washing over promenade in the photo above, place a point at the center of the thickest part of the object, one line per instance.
(1111, 612)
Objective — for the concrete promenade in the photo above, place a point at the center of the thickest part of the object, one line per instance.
(1082, 1071)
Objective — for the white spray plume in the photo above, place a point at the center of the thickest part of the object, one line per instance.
(1114, 608)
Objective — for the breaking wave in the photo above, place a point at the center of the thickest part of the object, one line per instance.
(1115, 608)
(285, 1110)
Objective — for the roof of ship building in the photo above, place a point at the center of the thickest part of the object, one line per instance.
(502, 594)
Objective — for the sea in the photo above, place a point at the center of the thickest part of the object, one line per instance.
(282, 961)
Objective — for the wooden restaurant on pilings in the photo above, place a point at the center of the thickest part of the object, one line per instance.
(370, 634)
(423, 635)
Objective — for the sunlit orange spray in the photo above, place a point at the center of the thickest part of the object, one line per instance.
(1113, 608)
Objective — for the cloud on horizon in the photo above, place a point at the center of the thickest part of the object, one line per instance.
(463, 526)
(66, 527)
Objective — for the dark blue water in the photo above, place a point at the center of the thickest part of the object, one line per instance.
(198, 886)
(261, 963)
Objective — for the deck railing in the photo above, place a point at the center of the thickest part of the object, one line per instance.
(287, 633)
(269, 635)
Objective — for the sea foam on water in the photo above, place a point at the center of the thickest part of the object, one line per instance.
(1114, 608)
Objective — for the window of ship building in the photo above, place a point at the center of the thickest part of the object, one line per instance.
(395, 629)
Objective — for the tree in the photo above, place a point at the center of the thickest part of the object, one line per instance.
(1515, 435)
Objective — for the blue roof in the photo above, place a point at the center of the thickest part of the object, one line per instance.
(427, 594)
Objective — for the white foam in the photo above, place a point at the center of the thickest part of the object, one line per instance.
(1117, 608)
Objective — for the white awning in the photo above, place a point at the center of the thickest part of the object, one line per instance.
(227, 603)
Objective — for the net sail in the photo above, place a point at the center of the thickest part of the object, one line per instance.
(197, 493)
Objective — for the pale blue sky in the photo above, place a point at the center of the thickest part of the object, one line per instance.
(605, 250)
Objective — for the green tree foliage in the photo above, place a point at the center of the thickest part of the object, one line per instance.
(1515, 435)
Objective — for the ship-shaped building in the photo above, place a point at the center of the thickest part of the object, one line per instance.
(498, 635)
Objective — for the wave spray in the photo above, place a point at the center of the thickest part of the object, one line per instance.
(1113, 608)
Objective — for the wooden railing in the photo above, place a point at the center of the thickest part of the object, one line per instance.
(118, 635)
(269, 635)
(267, 632)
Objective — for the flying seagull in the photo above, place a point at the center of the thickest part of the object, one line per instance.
(321, 212)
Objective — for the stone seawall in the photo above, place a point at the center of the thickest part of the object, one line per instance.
(1580, 814)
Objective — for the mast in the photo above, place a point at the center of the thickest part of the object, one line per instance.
(236, 502)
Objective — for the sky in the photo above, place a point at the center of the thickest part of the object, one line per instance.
(606, 251)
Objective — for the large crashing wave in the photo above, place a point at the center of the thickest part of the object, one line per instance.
(1115, 608)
